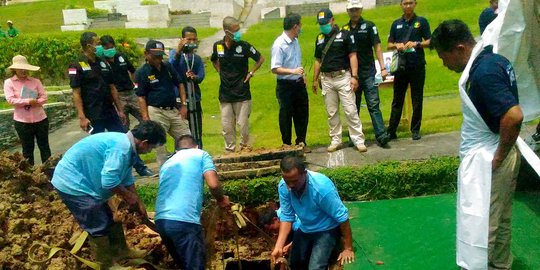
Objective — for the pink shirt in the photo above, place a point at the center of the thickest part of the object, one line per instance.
(23, 111)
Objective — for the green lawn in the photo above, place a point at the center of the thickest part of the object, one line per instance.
(50, 20)
(442, 111)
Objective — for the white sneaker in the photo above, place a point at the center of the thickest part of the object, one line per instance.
(361, 148)
(333, 147)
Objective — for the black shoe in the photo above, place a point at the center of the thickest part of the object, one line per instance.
(391, 136)
(383, 139)
(416, 135)
(146, 172)
(536, 136)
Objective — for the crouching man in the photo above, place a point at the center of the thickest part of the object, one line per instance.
(94, 169)
(323, 218)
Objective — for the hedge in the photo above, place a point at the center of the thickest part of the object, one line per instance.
(54, 54)
(385, 180)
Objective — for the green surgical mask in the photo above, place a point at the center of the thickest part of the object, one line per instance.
(99, 51)
(236, 36)
(109, 53)
(326, 28)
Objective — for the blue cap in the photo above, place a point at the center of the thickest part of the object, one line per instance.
(324, 15)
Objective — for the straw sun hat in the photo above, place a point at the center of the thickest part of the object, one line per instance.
(20, 62)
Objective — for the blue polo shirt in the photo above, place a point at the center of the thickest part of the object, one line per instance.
(286, 53)
(194, 62)
(95, 165)
(318, 209)
(181, 181)
(157, 86)
(486, 17)
(492, 87)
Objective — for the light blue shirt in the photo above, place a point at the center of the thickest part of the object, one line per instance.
(181, 181)
(318, 209)
(95, 165)
(286, 53)
(295, 224)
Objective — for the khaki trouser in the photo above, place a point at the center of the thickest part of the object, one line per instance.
(335, 90)
(173, 124)
(131, 105)
(503, 185)
(232, 114)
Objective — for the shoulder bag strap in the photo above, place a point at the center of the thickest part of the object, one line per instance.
(327, 47)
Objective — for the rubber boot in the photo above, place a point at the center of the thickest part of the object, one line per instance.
(102, 250)
(119, 245)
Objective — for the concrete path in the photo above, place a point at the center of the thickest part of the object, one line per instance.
(442, 144)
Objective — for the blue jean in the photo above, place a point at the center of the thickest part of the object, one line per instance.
(371, 94)
(184, 241)
(93, 215)
(313, 250)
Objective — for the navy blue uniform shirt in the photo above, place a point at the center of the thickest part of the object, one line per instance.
(194, 62)
(486, 17)
(420, 31)
(93, 78)
(157, 85)
(492, 87)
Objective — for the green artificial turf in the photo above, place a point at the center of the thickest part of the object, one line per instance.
(419, 233)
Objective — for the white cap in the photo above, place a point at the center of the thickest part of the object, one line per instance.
(9, 21)
(354, 4)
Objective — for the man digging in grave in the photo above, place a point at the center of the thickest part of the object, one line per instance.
(93, 170)
(324, 219)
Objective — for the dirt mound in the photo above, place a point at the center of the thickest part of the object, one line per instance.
(32, 212)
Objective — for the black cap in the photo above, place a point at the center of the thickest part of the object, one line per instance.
(324, 15)
(155, 47)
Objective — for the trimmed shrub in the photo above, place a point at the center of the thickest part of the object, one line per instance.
(386, 180)
(54, 54)
(149, 2)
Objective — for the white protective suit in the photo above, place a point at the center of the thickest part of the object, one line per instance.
(513, 34)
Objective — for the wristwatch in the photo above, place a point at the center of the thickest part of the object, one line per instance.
(184, 103)
(355, 76)
(251, 73)
(418, 44)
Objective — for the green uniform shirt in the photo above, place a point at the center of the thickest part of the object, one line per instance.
(13, 32)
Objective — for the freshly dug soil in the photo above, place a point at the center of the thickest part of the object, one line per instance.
(31, 212)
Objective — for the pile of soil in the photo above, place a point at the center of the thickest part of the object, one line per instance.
(31, 212)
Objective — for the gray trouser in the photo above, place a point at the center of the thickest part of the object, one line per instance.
(232, 114)
(131, 105)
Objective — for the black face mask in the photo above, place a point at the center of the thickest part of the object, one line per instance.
(189, 47)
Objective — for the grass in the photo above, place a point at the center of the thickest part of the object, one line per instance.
(442, 111)
(51, 18)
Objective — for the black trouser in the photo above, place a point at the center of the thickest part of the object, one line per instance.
(415, 77)
(28, 132)
(196, 127)
(293, 106)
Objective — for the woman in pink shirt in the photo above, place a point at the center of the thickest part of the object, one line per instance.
(27, 95)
